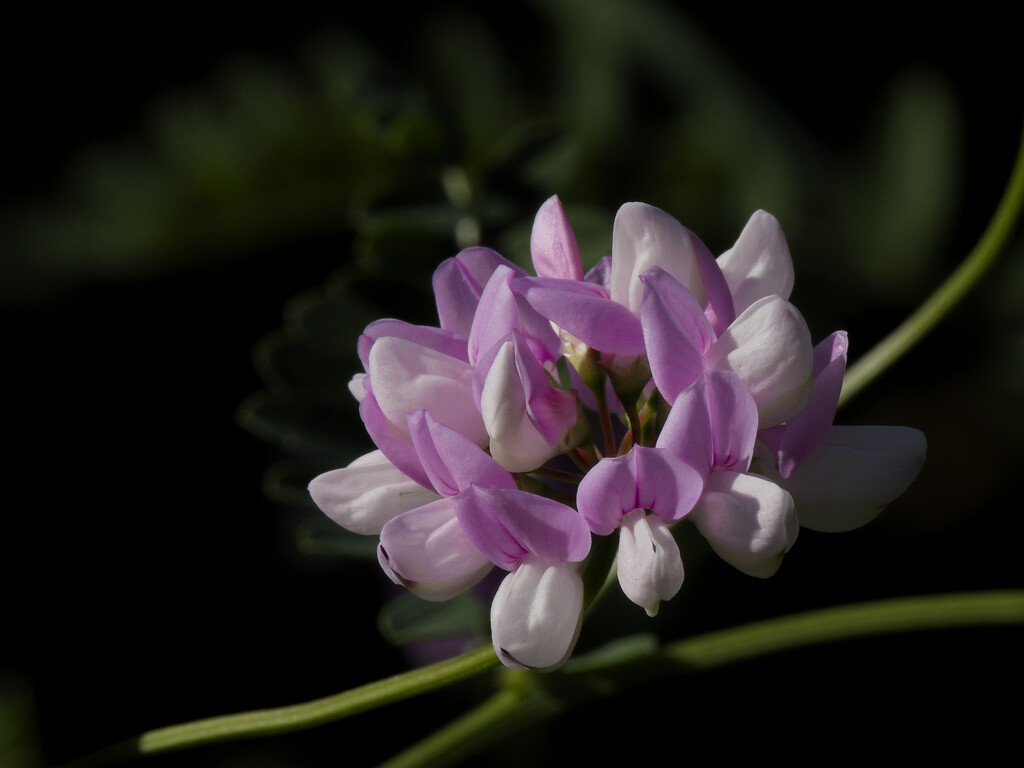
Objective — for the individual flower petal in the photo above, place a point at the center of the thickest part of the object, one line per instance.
(585, 310)
(759, 264)
(367, 493)
(643, 478)
(437, 339)
(648, 563)
(553, 243)
(527, 418)
(854, 475)
(797, 439)
(644, 237)
(769, 347)
(458, 283)
(392, 441)
(453, 462)
(509, 525)
(501, 312)
(748, 520)
(536, 615)
(408, 377)
(677, 334)
(713, 424)
(427, 551)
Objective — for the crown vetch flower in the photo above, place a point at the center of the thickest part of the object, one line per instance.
(700, 377)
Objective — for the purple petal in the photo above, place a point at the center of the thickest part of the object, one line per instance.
(553, 243)
(644, 478)
(458, 283)
(720, 309)
(508, 525)
(795, 441)
(451, 461)
(393, 443)
(536, 615)
(584, 310)
(501, 312)
(600, 273)
(676, 333)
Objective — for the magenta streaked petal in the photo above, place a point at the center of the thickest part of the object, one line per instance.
(367, 493)
(536, 615)
(428, 336)
(453, 462)
(676, 333)
(553, 243)
(648, 563)
(796, 440)
(458, 283)
(584, 310)
(748, 520)
(427, 546)
(600, 273)
(720, 309)
(508, 525)
(759, 263)
(854, 475)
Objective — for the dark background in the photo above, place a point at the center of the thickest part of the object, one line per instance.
(148, 580)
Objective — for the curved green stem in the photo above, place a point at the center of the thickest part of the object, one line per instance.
(948, 295)
(268, 721)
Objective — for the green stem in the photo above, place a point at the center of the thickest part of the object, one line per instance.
(269, 721)
(846, 622)
(948, 295)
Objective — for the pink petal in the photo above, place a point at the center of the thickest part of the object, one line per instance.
(553, 243)
(508, 525)
(676, 333)
(458, 283)
(428, 336)
(584, 310)
(453, 462)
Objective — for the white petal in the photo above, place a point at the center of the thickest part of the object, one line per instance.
(643, 237)
(367, 493)
(759, 264)
(769, 347)
(536, 615)
(857, 472)
(748, 520)
(649, 566)
(356, 387)
(427, 551)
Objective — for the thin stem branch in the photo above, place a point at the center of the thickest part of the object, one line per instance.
(948, 295)
(268, 721)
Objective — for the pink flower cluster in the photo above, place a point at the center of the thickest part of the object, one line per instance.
(663, 384)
